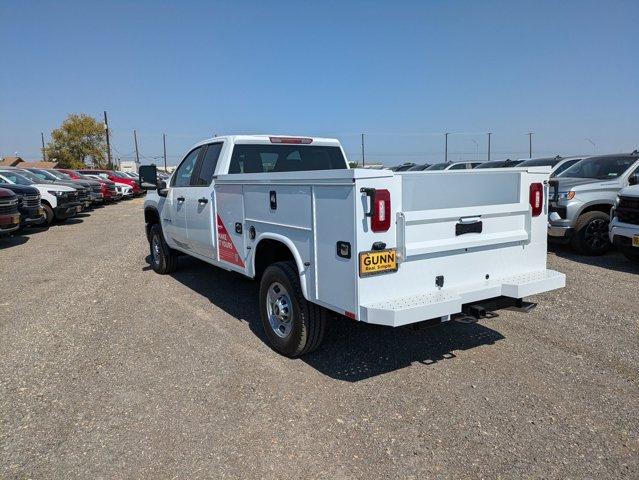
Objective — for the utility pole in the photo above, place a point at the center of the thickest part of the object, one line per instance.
(164, 143)
(530, 134)
(446, 147)
(44, 153)
(137, 153)
(489, 134)
(363, 156)
(106, 129)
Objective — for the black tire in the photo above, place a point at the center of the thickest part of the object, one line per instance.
(48, 214)
(303, 332)
(591, 234)
(631, 254)
(163, 259)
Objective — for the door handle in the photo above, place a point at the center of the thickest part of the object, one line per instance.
(180, 199)
(203, 200)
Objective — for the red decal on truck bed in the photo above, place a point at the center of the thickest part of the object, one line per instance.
(225, 247)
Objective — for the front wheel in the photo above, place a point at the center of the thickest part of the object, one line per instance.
(163, 259)
(591, 234)
(48, 214)
(293, 325)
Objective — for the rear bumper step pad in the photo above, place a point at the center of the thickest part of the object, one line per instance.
(416, 308)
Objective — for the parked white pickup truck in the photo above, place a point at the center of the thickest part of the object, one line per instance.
(372, 245)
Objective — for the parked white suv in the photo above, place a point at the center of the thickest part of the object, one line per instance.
(624, 223)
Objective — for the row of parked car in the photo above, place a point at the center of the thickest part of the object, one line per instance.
(558, 164)
(36, 196)
(593, 200)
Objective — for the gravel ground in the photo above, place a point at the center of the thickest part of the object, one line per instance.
(112, 371)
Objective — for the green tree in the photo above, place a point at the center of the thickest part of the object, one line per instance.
(79, 139)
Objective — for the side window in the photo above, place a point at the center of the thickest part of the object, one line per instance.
(458, 166)
(182, 176)
(207, 167)
(565, 166)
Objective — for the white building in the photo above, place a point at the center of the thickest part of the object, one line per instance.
(128, 166)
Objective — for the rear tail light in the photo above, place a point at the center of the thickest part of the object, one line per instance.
(536, 198)
(381, 211)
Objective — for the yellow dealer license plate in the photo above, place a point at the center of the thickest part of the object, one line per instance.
(377, 261)
(635, 241)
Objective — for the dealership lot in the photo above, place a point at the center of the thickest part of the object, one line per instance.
(110, 370)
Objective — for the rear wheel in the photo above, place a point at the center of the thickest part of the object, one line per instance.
(591, 234)
(293, 325)
(163, 258)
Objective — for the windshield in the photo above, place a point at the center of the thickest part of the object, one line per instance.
(44, 175)
(60, 175)
(438, 166)
(417, 168)
(540, 162)
(499, 164)
(27, 174)
(16, 178)
(121, 175)
(601, 168)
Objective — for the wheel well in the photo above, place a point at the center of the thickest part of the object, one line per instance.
(151, 217)
(46, 202)
(600, 207)
(269, 251)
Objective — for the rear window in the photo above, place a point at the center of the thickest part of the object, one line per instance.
(285, 158)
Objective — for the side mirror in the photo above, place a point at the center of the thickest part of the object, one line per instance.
(634, 179)
(162, 189)
(148, 177)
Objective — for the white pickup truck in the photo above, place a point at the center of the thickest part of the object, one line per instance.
(372, 245)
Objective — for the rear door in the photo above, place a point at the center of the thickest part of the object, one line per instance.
(175, 225)
(200, 205)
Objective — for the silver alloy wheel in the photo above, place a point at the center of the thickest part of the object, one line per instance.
(279, 310)
(155, 250)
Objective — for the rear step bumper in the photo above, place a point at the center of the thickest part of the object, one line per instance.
(441, 303)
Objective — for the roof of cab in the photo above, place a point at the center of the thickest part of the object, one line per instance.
(266, 139)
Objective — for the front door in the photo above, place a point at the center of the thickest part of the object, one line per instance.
(178, 198)
(200, 210)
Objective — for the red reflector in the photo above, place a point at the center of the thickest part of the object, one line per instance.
(381, 219)
(536, 198)
(294, 140)
(350, 315)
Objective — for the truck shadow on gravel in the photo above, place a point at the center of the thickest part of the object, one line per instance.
(350, 351)
(613, 260)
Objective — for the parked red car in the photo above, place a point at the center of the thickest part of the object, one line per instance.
(107, 186)
(116, 177)
(9, 215)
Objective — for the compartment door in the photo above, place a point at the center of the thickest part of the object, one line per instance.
(229, 220)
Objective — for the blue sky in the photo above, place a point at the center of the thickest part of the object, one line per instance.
(401, 72)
